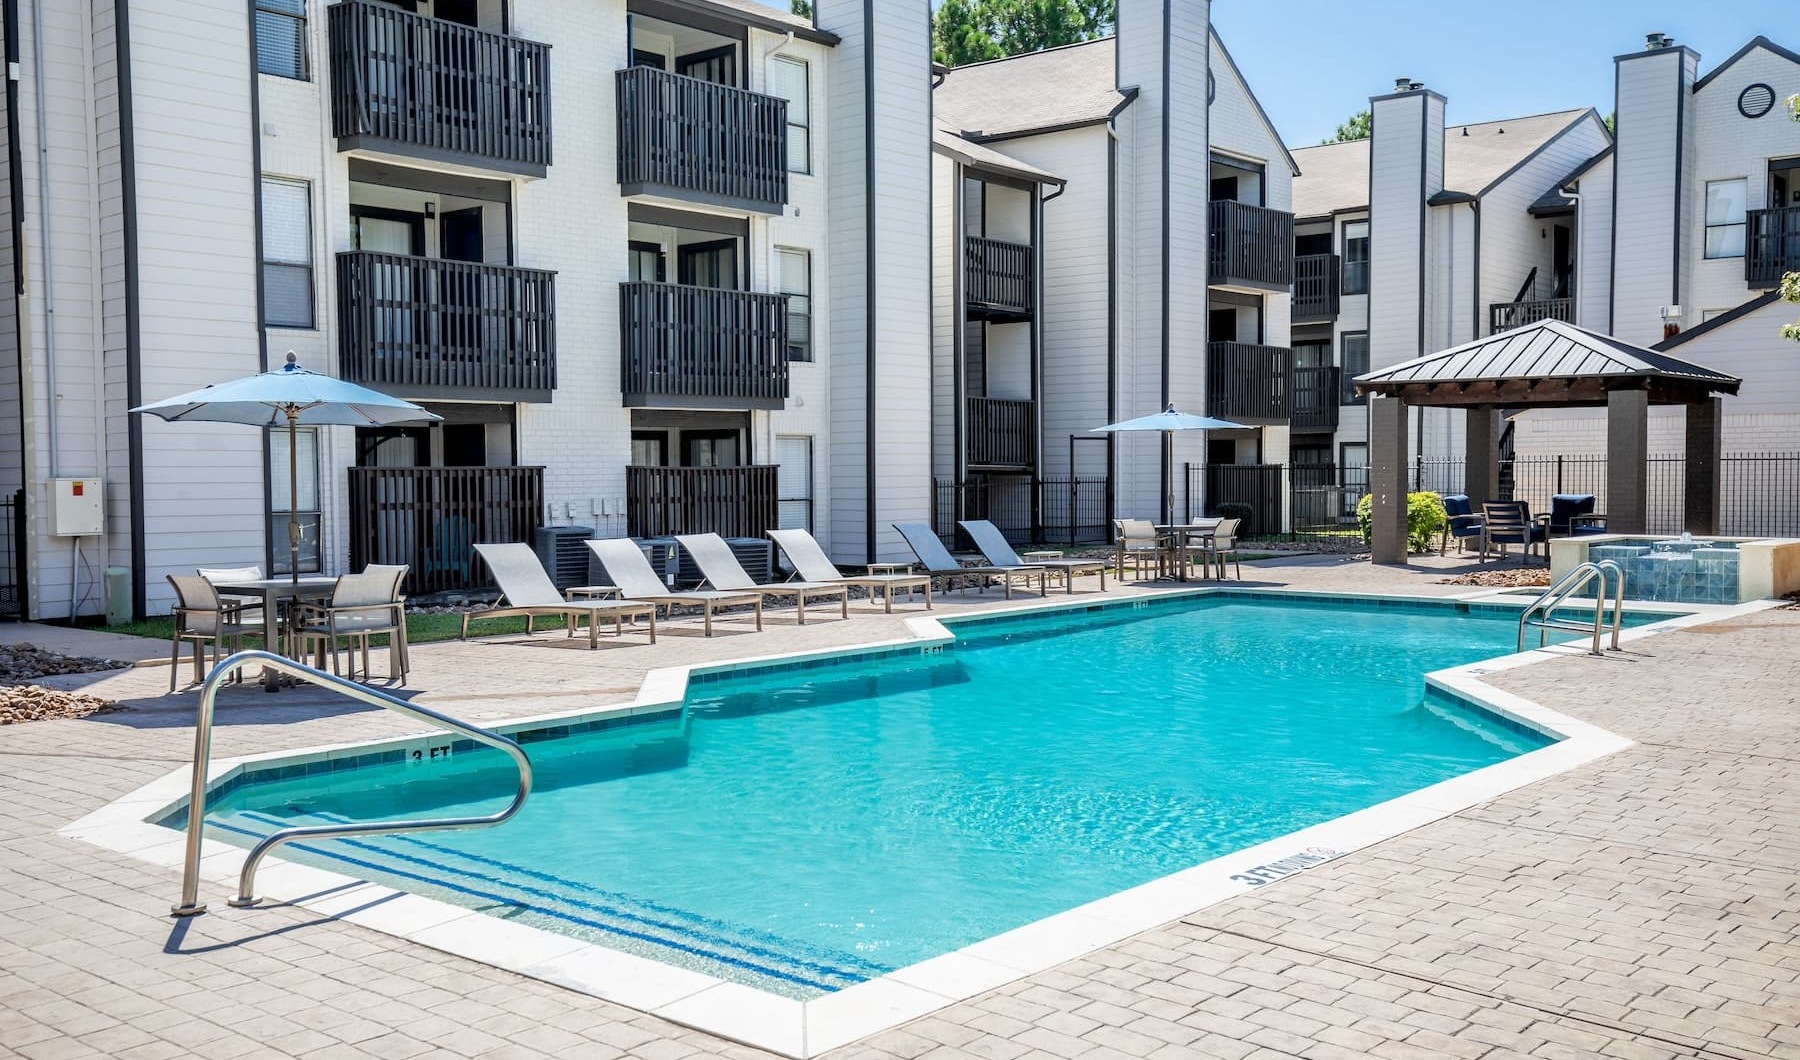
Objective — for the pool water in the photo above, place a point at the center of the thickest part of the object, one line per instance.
(804, 829)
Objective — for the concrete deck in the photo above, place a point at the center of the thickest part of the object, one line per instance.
(1645, 905)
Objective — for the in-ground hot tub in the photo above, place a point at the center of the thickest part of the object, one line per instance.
(1688, 569)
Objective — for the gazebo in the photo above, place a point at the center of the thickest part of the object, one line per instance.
(1548, 364)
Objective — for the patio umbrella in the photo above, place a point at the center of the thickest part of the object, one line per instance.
(1168, 421)
(293, 396)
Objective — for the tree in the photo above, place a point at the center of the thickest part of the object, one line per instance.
(1611, 121)
(972, 31)
(803, 8)
(1359, 127)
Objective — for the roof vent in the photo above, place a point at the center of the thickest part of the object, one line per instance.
(1655, 41)
(1403, 84)
(1415, 86)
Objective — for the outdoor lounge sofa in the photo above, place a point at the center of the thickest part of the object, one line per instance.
(812, 565)
(939, 563)
(637, 581)
(1573, 513)
(528, 591)
(722, 571)
(996, 550)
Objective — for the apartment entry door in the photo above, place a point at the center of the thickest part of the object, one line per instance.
(396, 283)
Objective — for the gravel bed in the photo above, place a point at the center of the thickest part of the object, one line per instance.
(23, 703)
(1518, 578)
(27, 662)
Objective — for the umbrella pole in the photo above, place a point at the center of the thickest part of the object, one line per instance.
(293, 415)
(1168, 477)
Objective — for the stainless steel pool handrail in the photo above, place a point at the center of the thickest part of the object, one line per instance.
(203, 726)
(1570, 583)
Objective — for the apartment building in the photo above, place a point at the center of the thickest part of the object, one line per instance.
(1113, 235)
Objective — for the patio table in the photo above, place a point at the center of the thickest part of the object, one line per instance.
(274, 592)
(1180, 535)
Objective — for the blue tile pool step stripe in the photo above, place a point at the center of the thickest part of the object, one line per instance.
(609, 914)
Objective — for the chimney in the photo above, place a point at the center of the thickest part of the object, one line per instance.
(1408, 149)
(1656, 194)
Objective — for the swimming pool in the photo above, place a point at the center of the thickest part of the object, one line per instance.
(801, 829)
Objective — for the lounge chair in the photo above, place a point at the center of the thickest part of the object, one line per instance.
(1463, 525)
(627, 568)
(722, 571)
(995, 549)
(1573, 513)
(812, 565)
(528, 591)
(1510, 523)
(939, 563)
(1142, 544)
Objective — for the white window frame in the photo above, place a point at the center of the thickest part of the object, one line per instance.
(1366, 261)
(272, 10)
(800, 339)
(1741, 223)
(803, 164)
(312, 311)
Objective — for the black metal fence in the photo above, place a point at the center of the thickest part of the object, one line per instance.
(12, 560)
(1056, 511)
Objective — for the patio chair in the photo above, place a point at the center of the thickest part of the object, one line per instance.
(1463, 524)
(996, 550)
(722, 571)
(1510, 523)
(361, 606)
(939, 563)
(1572, 514)
(250, 605)
(1225, 540)
(812, 565)
(1140, 542)
(528, 591)
(203, 619)
(638, 582)
(397, 572)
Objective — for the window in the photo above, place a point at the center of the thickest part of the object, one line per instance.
(1356, 257)
(1726, 201)
(287, 254)
(306, 454)
(1355, 363)
(795, 281)
(788, 79)
(281, 38)
(793, 481)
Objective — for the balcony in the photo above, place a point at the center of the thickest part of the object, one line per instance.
(1001, 433)
(1315, 288)
(728, 501)
(702, 347)
(685, 138)
(1249, 246)
(425, 88)
(1771, 245)
(1317, 391)
(429, 518)
(998, 279)
(1505, 316)
(432, 328)
(1248, 383)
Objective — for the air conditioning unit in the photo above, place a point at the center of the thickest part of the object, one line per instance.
(564, 553)
(755, 554)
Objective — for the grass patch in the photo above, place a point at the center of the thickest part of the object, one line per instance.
(420, 629)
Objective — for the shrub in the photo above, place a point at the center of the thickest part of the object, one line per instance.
(1425, 517)
(1235, 510)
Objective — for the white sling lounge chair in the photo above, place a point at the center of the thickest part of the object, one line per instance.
(995, 549)
(811, 563)
(941, 564)
(722, 571)
(528, 591)
(627, 568)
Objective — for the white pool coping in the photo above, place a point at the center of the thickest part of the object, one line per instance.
(807, 1028)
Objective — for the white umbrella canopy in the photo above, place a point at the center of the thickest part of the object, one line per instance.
(1168, 421)
(293, 397)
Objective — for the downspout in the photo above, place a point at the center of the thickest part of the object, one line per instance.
(1112, 306)
(46, 280)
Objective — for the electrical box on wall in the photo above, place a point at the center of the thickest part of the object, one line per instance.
(77, 508)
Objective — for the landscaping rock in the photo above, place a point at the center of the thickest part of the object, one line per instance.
(1516, 578)
(27, 662)
(23, 703)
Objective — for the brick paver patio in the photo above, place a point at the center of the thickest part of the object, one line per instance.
(1643, 906)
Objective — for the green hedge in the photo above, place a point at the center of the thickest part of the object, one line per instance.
(1425, 519)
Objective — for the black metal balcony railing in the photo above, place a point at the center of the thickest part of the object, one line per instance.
(728, 501)
(1315, 288)
(1771, 245)
(1250, 245)
(682, 346)
(1504, 316)
(429, 327)
(1248, 383)
(422, 86)
(1316, 394)
(430, 518)
(997, 277)
(684, 137)
(1000, 433)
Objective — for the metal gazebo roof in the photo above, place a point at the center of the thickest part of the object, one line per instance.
(1545, 364)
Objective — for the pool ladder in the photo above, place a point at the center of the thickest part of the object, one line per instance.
(203, 726)
(1545, 606)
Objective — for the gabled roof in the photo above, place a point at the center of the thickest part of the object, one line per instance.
(1333, 178)
(1542, 364)
(1255, 104)
(1555, 200)
(970, 153)
(1755, 42)
(1057, 88)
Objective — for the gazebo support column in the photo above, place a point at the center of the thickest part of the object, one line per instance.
(1481, 467)
(1387, 479)
(1627, 460)
(1705, 443)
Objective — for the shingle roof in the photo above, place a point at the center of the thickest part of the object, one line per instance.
(1548, 349)
(1335, 177)
(945, 139)
(1050, 89)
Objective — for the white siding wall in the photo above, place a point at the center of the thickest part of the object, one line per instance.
(12, 424)
(946, 260)
(1594, 247)
(1512, 241)
(1651, 98)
